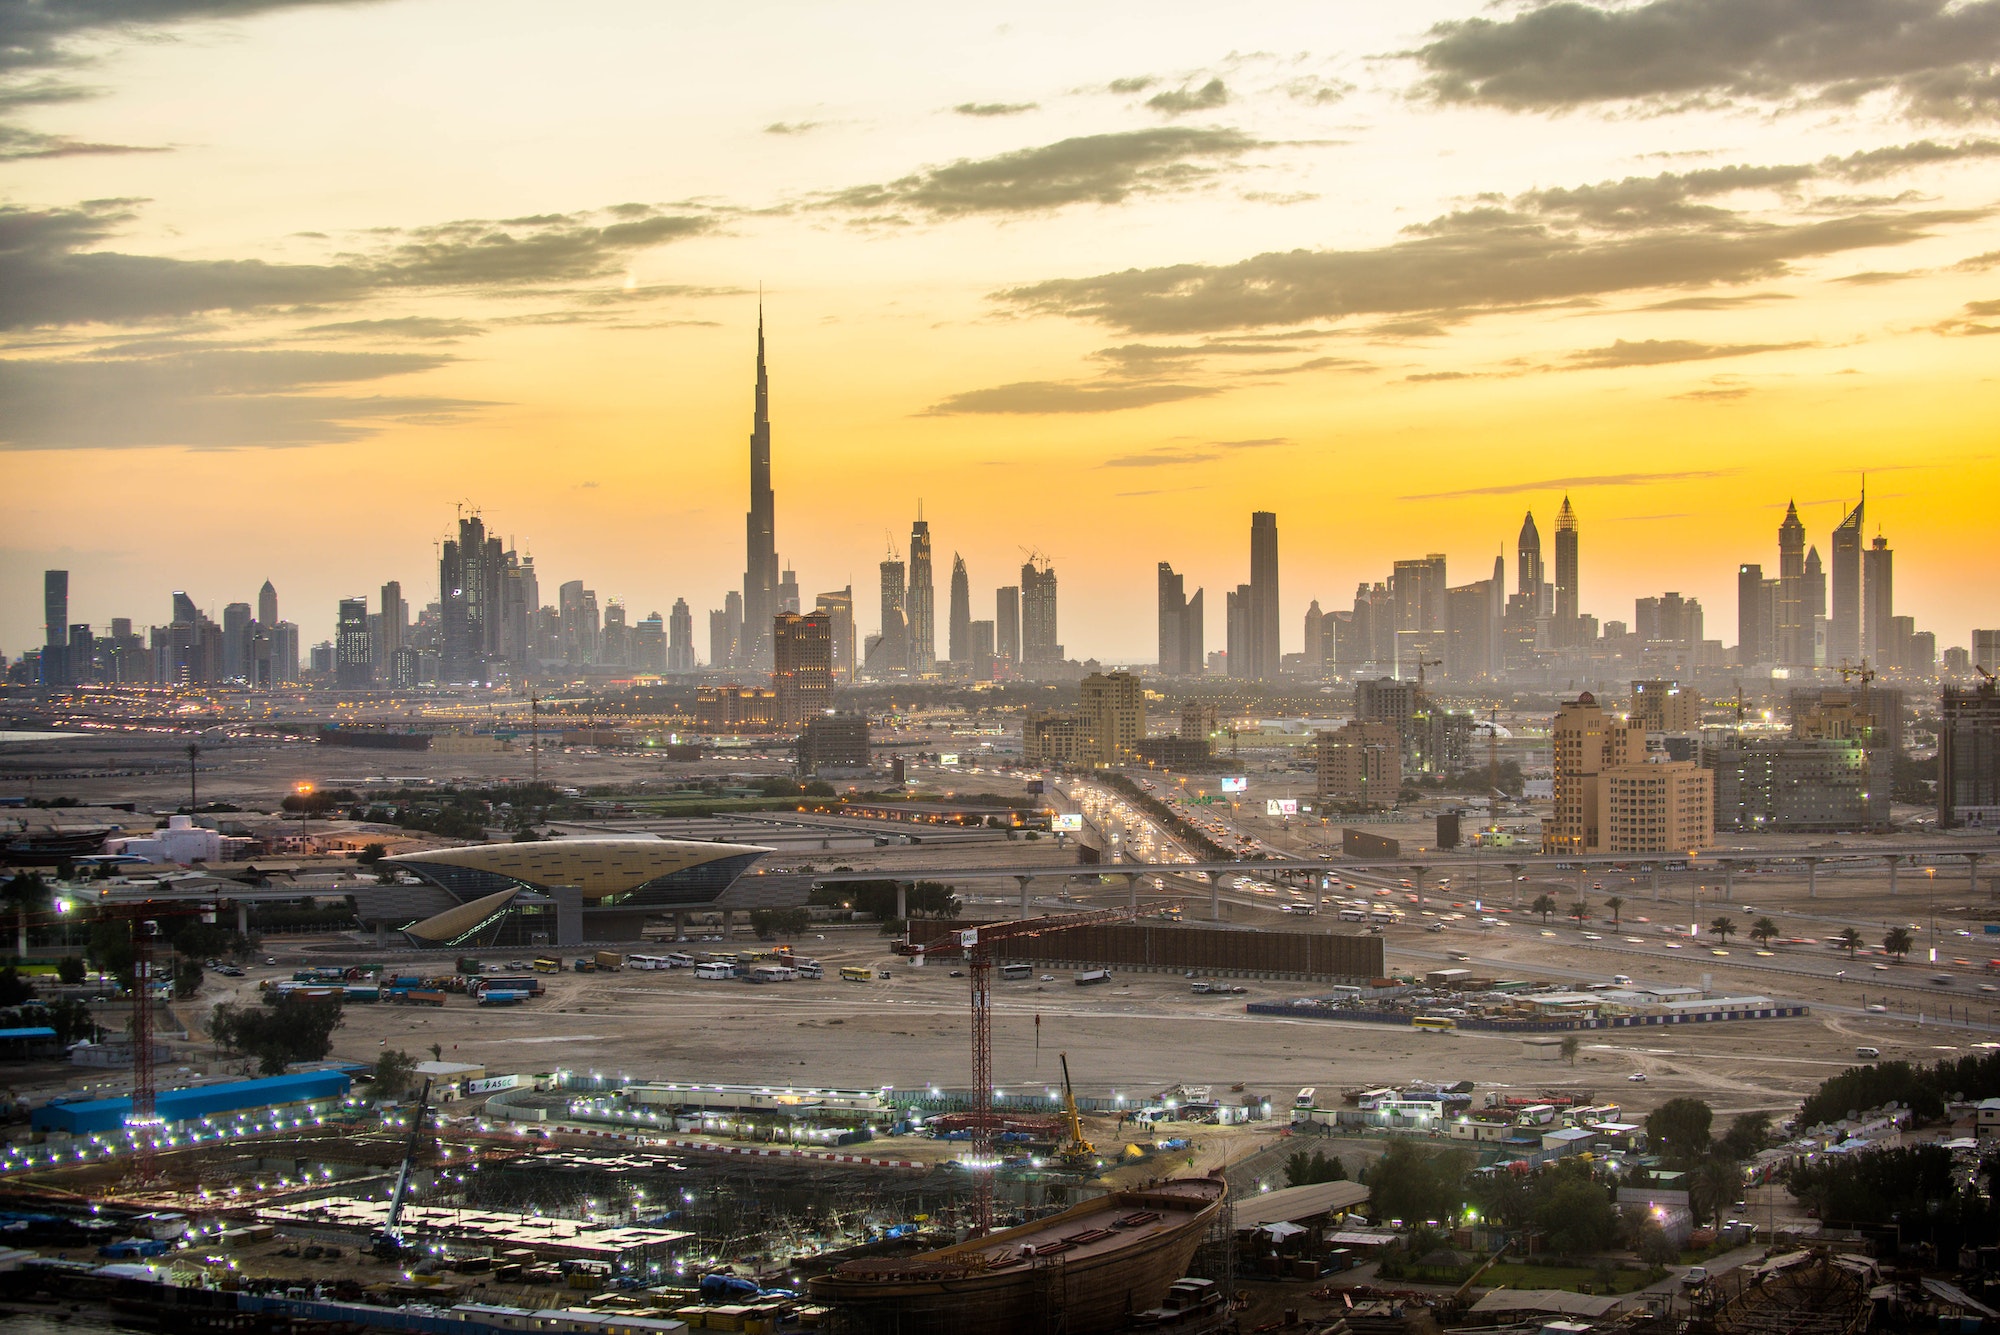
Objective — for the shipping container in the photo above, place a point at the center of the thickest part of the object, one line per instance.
(608, 961)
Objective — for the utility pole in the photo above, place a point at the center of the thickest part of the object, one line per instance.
(534, 740)
(194, 802)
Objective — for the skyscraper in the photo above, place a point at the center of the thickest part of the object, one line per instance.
(1419, 590)
(680, 637)
(569, 606)
(395, 621)
(1878, 605)
(921, 605)
(788, 590)
(892, 648)
(1754, 615)
(760, 568)
(55, 627)
(1180, 626)
(1528, 555)
(1039, 645)
(1843, 627)
(469, 598)
(353, 654)
(1007, 624)
(1794, 646)
(801, 665)
(960, 642)
(1565, 598)
(1814, 609)
(236, 641)
(1237, 632)
(839, 608)
(1263, 644)
(267, 605)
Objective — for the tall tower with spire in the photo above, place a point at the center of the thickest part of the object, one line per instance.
(1794, 642)
(760, 567)
(1528, 575)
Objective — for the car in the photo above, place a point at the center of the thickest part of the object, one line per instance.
(1718, 952)
(1636, 1078)
(1635, 940)
(1988, 987)
(1877, 1007)
(1673, 945)
(270, 959)
(1048, 978)
(1546, 932)
(956, 973)
(1766, 954)
(1962, 932)
(1840, 973)
(1879, 968)
(1696, 1276)
(1592, 936)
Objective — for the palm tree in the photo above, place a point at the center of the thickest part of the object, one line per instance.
(1615, 903)
(28, 893)
(1581, 912)
(1544, 905)
(1763, 931)
(1722, 927)
(1850, 940)
(1898, 942)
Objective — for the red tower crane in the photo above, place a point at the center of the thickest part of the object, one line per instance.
(977, 943)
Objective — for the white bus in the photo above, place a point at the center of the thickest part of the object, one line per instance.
(715, 970)
(771, 973)
(680, 960)
(1017, 973)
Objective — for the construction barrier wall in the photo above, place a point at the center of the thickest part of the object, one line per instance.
(1200, 950)
(1478, 1024)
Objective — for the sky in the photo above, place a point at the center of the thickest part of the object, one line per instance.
(283, 286)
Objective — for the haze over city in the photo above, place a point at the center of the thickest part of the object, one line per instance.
(285, 285)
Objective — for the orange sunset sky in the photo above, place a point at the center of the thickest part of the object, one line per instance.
(282, 285)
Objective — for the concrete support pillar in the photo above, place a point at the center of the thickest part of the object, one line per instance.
(1132, 891)
(381, 934)
(1972, 870)
(729, 922)
(680, 925)
(1894, 862)
(1215, 896)
(1419, 879)
(1513, 883)
(1583, 880)
(242, 918)
(1656, 882)
(1025, 881)
(1812, 878)
(1729, 879)
(903, 900)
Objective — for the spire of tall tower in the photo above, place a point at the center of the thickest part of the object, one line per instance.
(760, 566)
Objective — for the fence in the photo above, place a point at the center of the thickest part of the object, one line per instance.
(1143, 947)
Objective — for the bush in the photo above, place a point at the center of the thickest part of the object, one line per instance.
(70, 969)
(287, 1030)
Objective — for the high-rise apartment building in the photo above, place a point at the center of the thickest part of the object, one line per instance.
(1789, 785)
(921, 604)
(353, 652)
(1265, 655)
(1007, 624)
(760, 563)
(1472, 616)
(891, 651)
(1180, 629)
(788, 590)
(1756, 616)
(649, 644)
(959, 637)
(236, 641)
(802, 665)
(1565, 600)
(55, 628)
(680, 637)
(1610, 799)
(1666, 706)
(839, 608)
(1418, 587)
(1113, 713)
(614, 638)
(1359, 765)
(1878, 605)
(1659, 807)
(722, 632)
(1040, 645)
(1238, 633)
(1985, 650)
(395, 622)
(1843, 629)
(1587, 742)
(469, 585)
(979, 638)
(1968, 788)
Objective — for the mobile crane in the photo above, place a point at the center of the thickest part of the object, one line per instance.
(388, 1245)
(1074, 1151)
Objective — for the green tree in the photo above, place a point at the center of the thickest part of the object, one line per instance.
(769, 924)
(110, 949)
(1678, 1128)
(25, 892)
(70, 969)
(1570, 1047)
(1303, 1169)
(1616, 903)
(1415, 1184)
(1897, 941)
(1850, 940)
(1655, 1248)
(1763, 931)
(395, 1071)
(1747, 1134)
(1575, 1213)
(14, 989)
(288, 1029)
(1581, 912)
(1723, 927)
(1712, 1186)
(187, 976)
(1544, 905)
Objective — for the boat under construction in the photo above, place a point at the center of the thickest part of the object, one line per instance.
(1091, 1268)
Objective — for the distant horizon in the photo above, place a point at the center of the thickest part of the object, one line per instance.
(1098, 282)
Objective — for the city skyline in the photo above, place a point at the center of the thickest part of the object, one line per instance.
(1726, 285)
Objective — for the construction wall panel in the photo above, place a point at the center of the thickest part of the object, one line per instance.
(1204, 950)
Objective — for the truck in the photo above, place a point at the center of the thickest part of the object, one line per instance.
(424, 997)
(583, 964)
(1090, 976)
(527, 983)
(468, 965)
(499, 997)
(609, 961)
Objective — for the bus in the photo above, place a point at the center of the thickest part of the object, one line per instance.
(716, 970)
(855, 973)
(771, 973)
(547, 965)
(1435, 1024)
(1017, 973)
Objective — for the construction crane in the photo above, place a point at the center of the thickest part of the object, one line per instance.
(388, 1245)
(977, 943)
(1423, 663)
(1074, 1150)
(1866, 673)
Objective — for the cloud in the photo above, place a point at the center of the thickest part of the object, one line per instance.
(38, 35)
(17, 144)
(1314, 90)
(792, 127)
(1138, 84)
(1717, 303)
(402, 327)
(1966, 323)
(1720, 394)
(995, 108)
(1090, 169)
(1181, 101)
(1573, 483)
(1666, 351)
(1038, 397)
(1550, 247)
(1168, 456)
(52, 273)
(208, 398)
(1938, 57)
(1878, 162)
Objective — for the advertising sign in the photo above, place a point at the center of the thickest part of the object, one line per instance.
(493, 1084)
(1234, 783)
(948, 758)
(1281, 806)
(1066, 820)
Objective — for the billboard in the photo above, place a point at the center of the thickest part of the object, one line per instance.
(1066, 820)
(948, 758)
(1281, 806)
(1234, 783)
